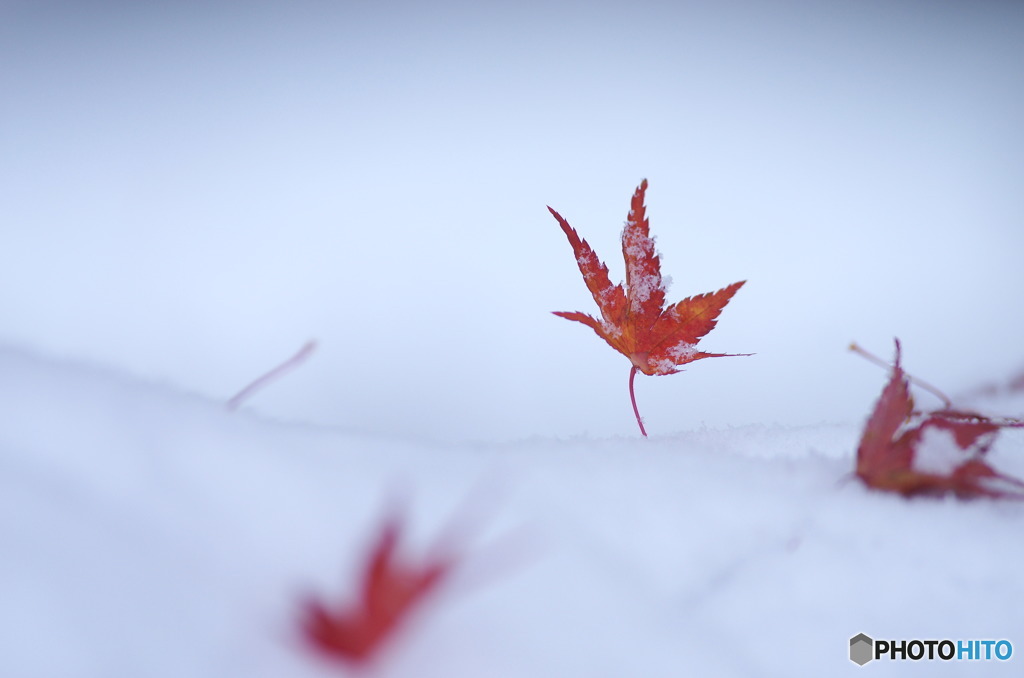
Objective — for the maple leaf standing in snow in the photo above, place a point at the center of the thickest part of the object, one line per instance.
(634, 320)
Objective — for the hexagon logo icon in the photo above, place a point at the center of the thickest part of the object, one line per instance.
(861, 649)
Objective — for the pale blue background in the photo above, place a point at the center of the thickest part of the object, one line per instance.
(190, 194)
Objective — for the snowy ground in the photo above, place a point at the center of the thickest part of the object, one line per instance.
(149, 532)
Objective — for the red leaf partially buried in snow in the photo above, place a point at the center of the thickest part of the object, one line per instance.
(890, 450)
(389, 591)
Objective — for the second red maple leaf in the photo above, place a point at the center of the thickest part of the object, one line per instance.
(634, 320)
(888, 457)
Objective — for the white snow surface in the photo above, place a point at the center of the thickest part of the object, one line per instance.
(150, 532)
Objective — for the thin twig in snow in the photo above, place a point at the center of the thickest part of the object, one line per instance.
(259, 383)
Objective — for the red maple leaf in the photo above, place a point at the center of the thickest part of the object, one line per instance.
(389, 591)
(634, 320)
(892, 441)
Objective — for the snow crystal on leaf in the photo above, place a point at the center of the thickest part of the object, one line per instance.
(642, 274)
(611, 329)
(608, 295)
(587, 261)
(642, 286)
(635, 250)
(641, 290)
(682, 351)
(664, 366)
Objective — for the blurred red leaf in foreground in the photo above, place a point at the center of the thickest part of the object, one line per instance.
(892, 440)
(389, 591)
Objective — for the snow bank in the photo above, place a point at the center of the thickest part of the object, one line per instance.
(149, 532)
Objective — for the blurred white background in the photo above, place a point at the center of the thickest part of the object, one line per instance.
(189, 194)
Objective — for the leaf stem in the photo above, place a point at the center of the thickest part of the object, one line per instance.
(632, 399)
(946, 402)
(287, 365)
